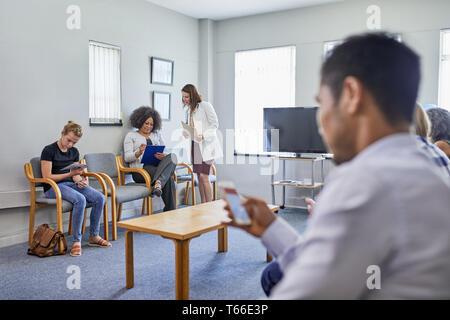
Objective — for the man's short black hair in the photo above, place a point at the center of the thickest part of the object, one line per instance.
(388, 70)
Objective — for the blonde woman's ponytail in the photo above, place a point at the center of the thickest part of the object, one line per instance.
(71, 126)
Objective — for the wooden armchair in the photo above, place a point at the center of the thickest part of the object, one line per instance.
(192, 180)
(112, 170)
(39, 200)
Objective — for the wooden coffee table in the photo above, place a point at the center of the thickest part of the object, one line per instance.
(180, 226)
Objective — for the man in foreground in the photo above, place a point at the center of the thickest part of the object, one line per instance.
(380, 228)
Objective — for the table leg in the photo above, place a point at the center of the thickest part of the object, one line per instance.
(181, 269)
(222, 239)
(129, 258)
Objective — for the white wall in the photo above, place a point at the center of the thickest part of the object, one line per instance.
(418, 21)
(44, 83)
(44, 74)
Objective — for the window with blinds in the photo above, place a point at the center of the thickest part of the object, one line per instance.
(263, 78)
(444, 70)
(104, 84)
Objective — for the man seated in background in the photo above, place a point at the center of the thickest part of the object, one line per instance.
(380, 227)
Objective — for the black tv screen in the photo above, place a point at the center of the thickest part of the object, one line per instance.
(298, 130)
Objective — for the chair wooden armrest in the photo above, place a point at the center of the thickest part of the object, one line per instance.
(191, 173)
(142, 172)
(33, 205)
(52, 184)
(108, 180)
(99, 179)
(122, 169)
(188, 167)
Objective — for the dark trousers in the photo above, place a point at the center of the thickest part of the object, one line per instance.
(164, 173)
(271, 275)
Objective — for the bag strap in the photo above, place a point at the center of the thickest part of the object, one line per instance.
(60, 236)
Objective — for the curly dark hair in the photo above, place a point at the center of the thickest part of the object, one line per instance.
(141, 114)
(440, 124)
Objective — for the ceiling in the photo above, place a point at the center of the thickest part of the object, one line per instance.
(226, 9)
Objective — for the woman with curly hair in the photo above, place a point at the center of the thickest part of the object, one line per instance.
(440, 128)
(148, 123)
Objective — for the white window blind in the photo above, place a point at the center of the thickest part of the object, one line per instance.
(104, 84)
(444, 71)
(263, 78)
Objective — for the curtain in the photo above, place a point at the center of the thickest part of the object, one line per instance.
(104, 83)
(263, 78)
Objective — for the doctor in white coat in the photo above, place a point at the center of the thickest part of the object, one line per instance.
(205, 146)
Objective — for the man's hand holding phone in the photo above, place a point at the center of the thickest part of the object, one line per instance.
(258, 212)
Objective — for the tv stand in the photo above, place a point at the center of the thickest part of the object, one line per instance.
(311, 184)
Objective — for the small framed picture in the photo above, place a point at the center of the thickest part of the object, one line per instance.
(161, 71)
(161, 103)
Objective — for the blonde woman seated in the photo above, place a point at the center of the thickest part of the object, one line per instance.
(74, 189)
(148, 123)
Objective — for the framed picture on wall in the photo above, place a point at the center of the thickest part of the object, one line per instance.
(161, 71)
(161, 103)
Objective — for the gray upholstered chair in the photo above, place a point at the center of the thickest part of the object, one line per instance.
(112, 170)
(39, 200)
(191, 179)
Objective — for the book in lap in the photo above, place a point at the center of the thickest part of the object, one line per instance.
(75, 166)
(149, 154)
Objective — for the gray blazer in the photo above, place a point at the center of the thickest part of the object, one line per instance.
(131, 145)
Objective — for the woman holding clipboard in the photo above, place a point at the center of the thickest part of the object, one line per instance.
(205, 146)
(148, 123)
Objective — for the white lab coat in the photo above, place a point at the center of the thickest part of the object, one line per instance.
(206, 123)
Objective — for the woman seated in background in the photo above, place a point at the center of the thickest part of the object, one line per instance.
(440, 128)
(422, 125)
(72, 185)
(148, 123)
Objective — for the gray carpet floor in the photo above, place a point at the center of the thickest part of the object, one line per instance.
(213, 276)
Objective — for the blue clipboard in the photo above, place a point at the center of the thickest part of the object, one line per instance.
(149, 154)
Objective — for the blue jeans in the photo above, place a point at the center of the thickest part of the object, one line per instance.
(271, 275)
(78, 197)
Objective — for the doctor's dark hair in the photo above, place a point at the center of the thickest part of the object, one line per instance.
(387, 69)
(141, 114)
(195, 97)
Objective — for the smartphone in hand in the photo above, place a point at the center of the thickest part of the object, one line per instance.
(234, 200)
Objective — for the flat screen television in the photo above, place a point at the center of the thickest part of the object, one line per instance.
(298, 130)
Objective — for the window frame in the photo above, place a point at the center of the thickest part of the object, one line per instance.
(108, 124)
(442, 58)
(262, 153)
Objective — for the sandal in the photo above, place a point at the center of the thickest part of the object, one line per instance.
(156, 191)
(76, 249)
(102, 243)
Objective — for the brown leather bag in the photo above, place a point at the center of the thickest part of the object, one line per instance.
(45, 240)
